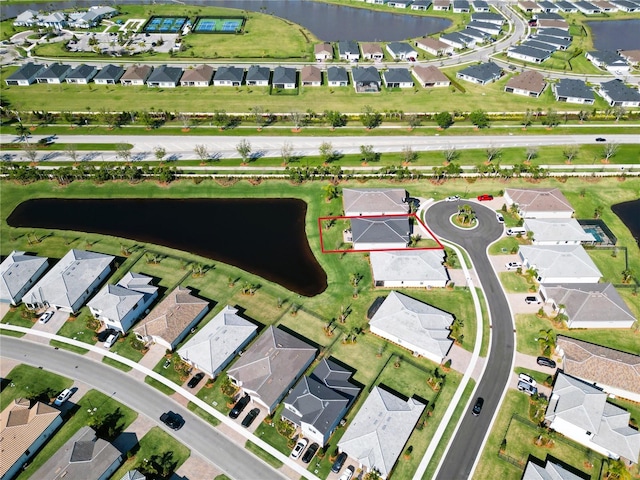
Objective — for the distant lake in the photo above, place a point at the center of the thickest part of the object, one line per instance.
(262, 236)
(629, 213)
(616, 34)
(328, 22)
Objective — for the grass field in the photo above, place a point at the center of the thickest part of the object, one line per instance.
(24, 381)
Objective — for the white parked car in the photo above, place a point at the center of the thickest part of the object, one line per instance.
(499, 217)
(46, 316)
(111, 340)
(299, 448)
(526, 378)
(63, 397)
(453, 198)
(513, 265)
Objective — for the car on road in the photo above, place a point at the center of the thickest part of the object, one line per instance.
(499, 217)
(195, 380)
(485, 198)
(337, 465)
(453, 198)
(527, 388)
(111, 339)
(546, 362)
(239, 406)
(311, 451)
(477, 407)
(172, 420)
(250, 417)
(63, 397)
(513, 265)
(600, 139)
(45, 317)
(301, 444)
(348, 473)
(531, 299)
(526, 378)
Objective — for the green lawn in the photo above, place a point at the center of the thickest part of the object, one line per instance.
(76, 328)
(214, 397)
(506, 246)
(260, 453)
(515, 283)
(610, 262)
(20, 316)
(125, 348)
(24, 381)
(270, 435)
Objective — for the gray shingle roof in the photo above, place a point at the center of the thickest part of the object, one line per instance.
(336, 377)
(550, 471)
(399, 48)
(484, 71)
(530, 52)
(110, 72)
(551, 40)
(560, 261)
(475, 33)
(547, 47)
(55, 70)
(284, 75)
(16, 271)
(565, 6)
(569, 87)
(165, 74)
(478, 24)
(456, 37)
(608, 57)
(256, 73)
(484, 16)
(26, 71)
(337, 74)
(380, 230)
(409, 265)
(231, 74)
(374, 200)
(348, 46)
(554, 32)
(116, 301)
(619, 92)
(398, 75)
(82, 71)
(365, 75)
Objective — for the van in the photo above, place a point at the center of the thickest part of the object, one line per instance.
(513, 231)
(111, 340)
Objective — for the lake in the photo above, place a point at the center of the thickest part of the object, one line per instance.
(616, 34)
(629, 213)
(262, 236)
(328, 22)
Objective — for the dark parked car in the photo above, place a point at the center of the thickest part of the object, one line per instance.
(477, 408)
(311, 451)
(195, 380)
(251, 416)
(172, 420)
(546, 362)
(339, 463)
(600, 139)
(239, 407)
(485, 197)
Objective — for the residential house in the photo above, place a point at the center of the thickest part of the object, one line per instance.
(199, 76)
(441, 5)
(25, 75)
(348, 50)
(109, 75)
(559, 43)
(434, 46)
(228, 77)
(54, 73)
(337, 77)
(481, 74)
(18, 272)
(323, 51)
(566, 7)
(546, 47)
(615, 372)
(372, 51)
(529, 7)
(557, 231)
(551, 23)
(71, 281)
(409, 268)
(311, 76)
(374, 201)
(539, 202)
(399, 3)
(477, 35)
(559, 263)
(626, 6)
(586, 8)
(461, 6)
(83, 456)
(397, 78)
(136, 75)
(580, 411)
(421, 5)
(172, 319)
(366, 79)
(550, 470)
(604, 7)
(573, 91)
(548, 7)
(589, 305)
(258, 76)
(480, 6)
(379, 431)
(401, 51)
(319, 402)
(617, 94)
(133, 475)
(486, 27)
(218, 342)
(529, 83)
(631, 56)
(549, 16)
(285, 78)
(458, 40)
(24, 428)
(164, 76)
(376, 2)
(119, 306)
(609, 60)
(380, 233)
(528, 54)
(487, 18)
(419, 327)
(82, 74)
(271, 366)
(554, 32)
(430, 76)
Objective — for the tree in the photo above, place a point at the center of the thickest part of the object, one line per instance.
(368, 154)
(532, 152)
(450, 154)
(286, 152)
(408, 155)
(479, 118)
(527, 118)
(202, 152)
(244, 150)
(443, 119)
(30, 151)
(258, 116)
(551, 119)
(22, 131)
(159, 153)
(370, 118)
(547, 341)
(466, 215)
(619, 112)
(413, 121)
(71, 150)
(326, 152)
(597, 212)
(330, 192)
(221, 119)
(297, 119)
(123, 151)
(492, 152)
(186, 120)
(570, 152)
(335, 118)
(609, 150)
(583, 115)
(626, 275)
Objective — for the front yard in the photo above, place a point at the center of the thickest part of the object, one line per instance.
(24, 381)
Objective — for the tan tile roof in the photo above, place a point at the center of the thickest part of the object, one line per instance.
(137, 72)
(432, 43)
(430, 74)
(539, 200)
(632, 56)
(310, 73)
(201, 73)
(605, 366)
(20, 427)
(325, 47)
(544, 23)
(531, 81)
(371, 48)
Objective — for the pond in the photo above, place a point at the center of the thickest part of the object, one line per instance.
(615, 34)
(262, 236)
(629, 213)
(328, 22)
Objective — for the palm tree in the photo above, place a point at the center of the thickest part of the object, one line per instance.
(626, 275)
(547, 341)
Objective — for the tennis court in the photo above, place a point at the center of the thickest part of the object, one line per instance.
(160, 24)
(218, 25)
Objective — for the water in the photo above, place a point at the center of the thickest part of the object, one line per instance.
(629, 213)
(263, 236)
(616, 34)
(328, 22)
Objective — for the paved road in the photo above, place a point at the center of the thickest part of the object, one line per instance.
(470, 436)
(197, 435)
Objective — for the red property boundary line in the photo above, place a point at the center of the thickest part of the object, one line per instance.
(407, 215)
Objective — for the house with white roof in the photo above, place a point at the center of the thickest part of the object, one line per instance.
(379, 431)
(557, 231)
(580, 411)
(380, 233)
(614, 371)
(119, 306)
(560, 263)
(374, 201)
(409, 268)
(214, 345)
(539, 202)
(414, 325)
(588, 305)
(18, 272)
(549, 471)
(71, 281)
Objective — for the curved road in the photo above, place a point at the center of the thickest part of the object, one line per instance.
(469, 438)
(196, 434)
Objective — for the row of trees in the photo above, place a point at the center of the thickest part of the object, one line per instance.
(65, 175)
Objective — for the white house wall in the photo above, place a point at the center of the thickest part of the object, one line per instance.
(600, 324)
(579, 435)
(413, 284)
(409, 346)
(379, 246)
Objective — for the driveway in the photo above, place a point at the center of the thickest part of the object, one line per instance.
(54, 324)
